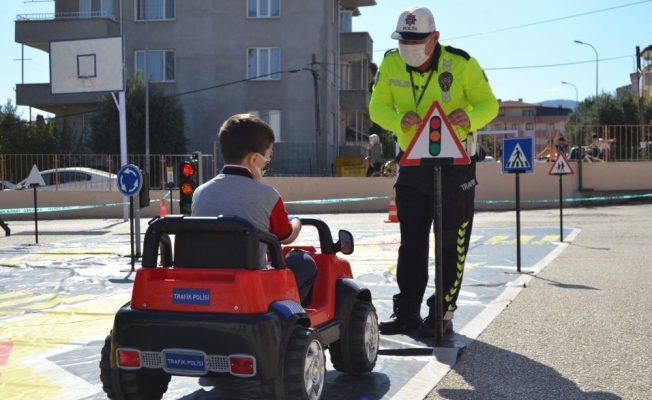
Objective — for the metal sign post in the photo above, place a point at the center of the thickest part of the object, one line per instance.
(561, 167)
(518, 157)
(33, 180)
(130, 181)
(435, 143)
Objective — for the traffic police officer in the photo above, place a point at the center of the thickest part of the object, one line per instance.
(408, 81)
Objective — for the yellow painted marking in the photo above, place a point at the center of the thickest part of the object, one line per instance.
(547, 239)
(499, 239)
(27, 300)
(524, 240)
(60, 300)
(39, 333)
(14, 294)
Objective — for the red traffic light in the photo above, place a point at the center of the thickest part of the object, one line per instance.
(187, 169)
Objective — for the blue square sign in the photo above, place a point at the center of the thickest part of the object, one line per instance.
(518, 155)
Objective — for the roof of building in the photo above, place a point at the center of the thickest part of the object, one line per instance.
(516, 104)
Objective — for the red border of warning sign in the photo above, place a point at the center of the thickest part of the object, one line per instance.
(406, 160)
(561, 158)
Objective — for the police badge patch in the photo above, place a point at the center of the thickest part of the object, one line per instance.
(445, 81)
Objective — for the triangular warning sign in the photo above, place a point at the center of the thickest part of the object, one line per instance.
(435, 139)
(517, 159)
(561, 166)
(34, 178)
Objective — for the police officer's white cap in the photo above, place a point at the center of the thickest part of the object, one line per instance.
(415, 23)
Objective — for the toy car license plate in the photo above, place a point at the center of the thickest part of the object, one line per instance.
(184, 362)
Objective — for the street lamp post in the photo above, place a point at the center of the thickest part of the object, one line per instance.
(596, 65)
(577, 139)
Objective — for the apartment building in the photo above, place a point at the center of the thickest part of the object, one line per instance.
(527, 119)
(295, 63)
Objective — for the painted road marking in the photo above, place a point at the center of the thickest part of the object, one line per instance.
(34, 336)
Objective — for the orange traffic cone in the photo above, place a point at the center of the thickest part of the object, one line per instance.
(164, 209)
(393, 216)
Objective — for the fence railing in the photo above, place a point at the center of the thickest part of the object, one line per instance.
(65, 15)
(626, 142)
(630, 143)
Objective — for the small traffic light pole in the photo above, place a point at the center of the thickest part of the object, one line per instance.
(170, 185)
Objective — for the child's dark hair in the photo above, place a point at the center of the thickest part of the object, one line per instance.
(242, 134)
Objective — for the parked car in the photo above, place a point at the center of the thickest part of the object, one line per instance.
(74, 178)
(6, 185)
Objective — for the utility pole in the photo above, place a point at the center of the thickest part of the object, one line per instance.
(641, 106)
(315, 79)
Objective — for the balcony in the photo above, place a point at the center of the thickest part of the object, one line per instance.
(354, 100)
(355, 46)
(37, 30)
(38, 95)
(352, 4)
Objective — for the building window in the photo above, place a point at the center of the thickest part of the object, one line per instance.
(528, 113)
(516, 127)
(346, 21)
(263, 8)
(550, 126)
(154, 10)
(273, 119)
(498, 127)
(87, 128)
(264, 63)
(160, 64)
(95, 8)
(333, 68)
(529, 126)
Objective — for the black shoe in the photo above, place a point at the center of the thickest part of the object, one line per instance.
(428, 327)
(399, 323)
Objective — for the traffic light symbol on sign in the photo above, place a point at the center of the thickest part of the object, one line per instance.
(187, 186)
(434, 140)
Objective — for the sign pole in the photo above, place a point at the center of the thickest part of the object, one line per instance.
(131, 228)
(35, 214)
(561, 212)
(561, 167)
(439, 249)
(518, 223)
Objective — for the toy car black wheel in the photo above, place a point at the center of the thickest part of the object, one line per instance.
(304, 372)
(130, 386)
(357, 350)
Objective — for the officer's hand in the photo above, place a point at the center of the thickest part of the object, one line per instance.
(409, 120)
(459, 117)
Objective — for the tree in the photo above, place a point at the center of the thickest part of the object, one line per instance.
(166, 122)
(18, 136)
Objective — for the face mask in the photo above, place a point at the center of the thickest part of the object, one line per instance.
(261, 171)
(414, 55)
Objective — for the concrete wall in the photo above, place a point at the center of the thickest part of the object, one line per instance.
(537, 190)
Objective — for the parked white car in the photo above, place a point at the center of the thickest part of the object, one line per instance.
(74, 179)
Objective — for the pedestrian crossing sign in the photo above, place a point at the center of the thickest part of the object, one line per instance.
(561, 166)
(435, 142)
(518, 155)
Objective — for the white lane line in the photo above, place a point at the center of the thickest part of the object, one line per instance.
(429, 376)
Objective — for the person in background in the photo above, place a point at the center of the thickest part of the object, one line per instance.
(561, 145)
(600, 147)
(408, 81)
(375, 153)
(549, 152)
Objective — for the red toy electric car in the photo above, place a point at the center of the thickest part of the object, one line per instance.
(213, 312)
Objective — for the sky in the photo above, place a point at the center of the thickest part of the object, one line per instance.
(507, 37)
